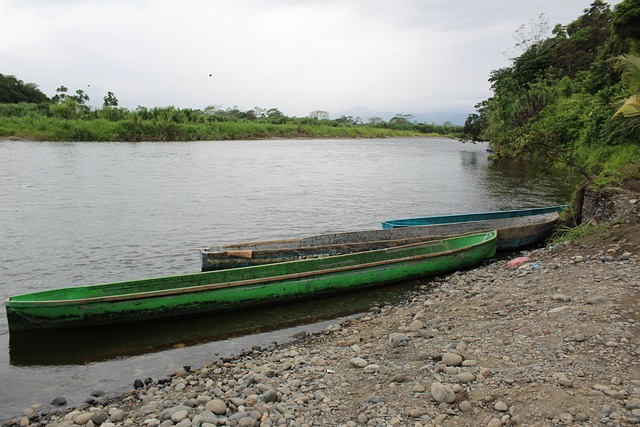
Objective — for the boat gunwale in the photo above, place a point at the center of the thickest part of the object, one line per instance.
(489, 236)
(506, 214)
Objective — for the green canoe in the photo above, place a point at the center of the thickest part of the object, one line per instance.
(224, 290)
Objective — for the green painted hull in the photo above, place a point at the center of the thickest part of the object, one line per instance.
(225, 290)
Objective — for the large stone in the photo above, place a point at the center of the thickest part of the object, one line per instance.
(466, 377)
(99, 417)
(180, 415)
(167, 414)
(59, 401)
(117, 415)
(416, 325)
(442, 392)
(216, 406)
(82, 419)
(452, 359)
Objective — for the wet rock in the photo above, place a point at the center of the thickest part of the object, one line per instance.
(58, 401)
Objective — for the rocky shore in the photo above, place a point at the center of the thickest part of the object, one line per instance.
(549, 340)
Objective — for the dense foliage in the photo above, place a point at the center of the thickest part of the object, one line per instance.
(570, 98)
(67, 117)
(13, 90)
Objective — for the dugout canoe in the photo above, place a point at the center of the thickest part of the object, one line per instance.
(241, 288)
(513, 233)
(517, 228)
(271, 251)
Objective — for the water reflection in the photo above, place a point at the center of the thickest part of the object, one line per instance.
(471, 159)
(84, 346)
(509, 180)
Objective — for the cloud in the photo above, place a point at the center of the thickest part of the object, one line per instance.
(405, 56)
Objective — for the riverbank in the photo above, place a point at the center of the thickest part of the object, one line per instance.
(551, 341)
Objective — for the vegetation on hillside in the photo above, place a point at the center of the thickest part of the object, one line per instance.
(28, 113)
(571, 98)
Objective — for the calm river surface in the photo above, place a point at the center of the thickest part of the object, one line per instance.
(84, 213)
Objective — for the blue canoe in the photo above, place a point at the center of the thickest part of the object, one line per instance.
(516, 228)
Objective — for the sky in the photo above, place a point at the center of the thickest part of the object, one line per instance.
(428, 58)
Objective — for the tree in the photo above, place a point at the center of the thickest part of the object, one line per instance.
(401, 120)
(319, 115)
(625, 20)
(61, 95)
(531, 34)
(629, 107)
(13, 91)
(110, 100)
(81, 100)
(275, 116)
(346, 120)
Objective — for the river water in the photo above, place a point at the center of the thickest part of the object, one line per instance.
(84, 213)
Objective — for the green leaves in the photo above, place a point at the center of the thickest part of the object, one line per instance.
(553, 105)
(629, 107)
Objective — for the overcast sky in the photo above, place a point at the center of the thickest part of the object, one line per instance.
(397, 56)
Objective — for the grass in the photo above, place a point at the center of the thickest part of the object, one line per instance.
(613, 164)
(99, 129)
(565, 233)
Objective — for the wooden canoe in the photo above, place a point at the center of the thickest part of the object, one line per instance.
(472, 217)
(516, 228)
(513, 233)
(240, 288)
(270, 251)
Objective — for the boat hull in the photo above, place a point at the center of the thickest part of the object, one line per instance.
(516, 228)
(471, 217)
(241, 288)
(513, 233)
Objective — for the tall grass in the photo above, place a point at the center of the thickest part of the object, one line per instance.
(62, 122)
(612, 163)
(56, 129)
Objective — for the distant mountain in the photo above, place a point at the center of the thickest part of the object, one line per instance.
(436, 117)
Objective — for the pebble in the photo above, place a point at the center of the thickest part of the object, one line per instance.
(501, 406)
(596, 300)
(358, 362)
(466, 377)
(465, 406)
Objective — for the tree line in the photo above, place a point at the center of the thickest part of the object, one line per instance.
(570, 97)
(67, 116)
